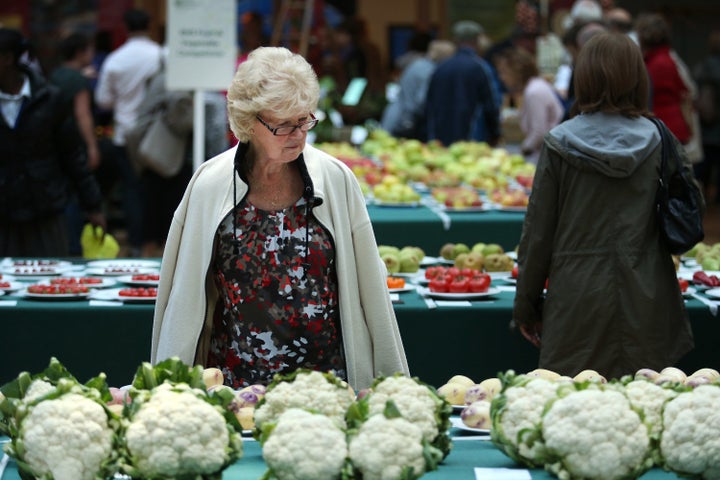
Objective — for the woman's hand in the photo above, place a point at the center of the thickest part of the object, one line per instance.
(532, 333)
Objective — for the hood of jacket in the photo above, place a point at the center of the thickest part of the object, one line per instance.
(611, 144)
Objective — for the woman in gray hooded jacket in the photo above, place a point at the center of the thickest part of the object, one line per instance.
(613, 303)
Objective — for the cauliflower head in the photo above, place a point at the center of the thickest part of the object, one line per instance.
(594, 433)
(68, 437)
(388, 449)
(516, 414)
(649, 398)
(174, 430)
(690, 440)
(304, 446)
(418, 403)
(315, 391)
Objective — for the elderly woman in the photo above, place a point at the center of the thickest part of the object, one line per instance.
(271, 262)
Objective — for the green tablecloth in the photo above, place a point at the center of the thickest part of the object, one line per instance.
(474, 340)
(466, 455)
(429, 230)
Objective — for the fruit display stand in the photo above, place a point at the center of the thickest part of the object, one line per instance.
(472, 338)
(469, 452)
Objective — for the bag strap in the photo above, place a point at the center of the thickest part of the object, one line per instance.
(665, 146)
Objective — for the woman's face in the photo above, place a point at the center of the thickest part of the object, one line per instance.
(283, 147)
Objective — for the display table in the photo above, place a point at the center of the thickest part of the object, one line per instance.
(467, 454)
(473, 340)
(431, 229)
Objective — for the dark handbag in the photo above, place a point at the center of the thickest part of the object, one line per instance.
(678, 199)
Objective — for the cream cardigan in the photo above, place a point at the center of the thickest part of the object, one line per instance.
(187, 294)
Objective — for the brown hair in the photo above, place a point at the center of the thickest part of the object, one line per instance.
(522, 62)
(610, 76)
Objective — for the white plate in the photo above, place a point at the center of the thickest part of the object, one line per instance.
(506, 278)
(380, 203)
(458, 423)
(124, 263)
(35, 272)
(689, 262)
(37, 262)
(104, 282)
(14, 286)
(401, 290)
(419, 273)
(114, 295)
(118, 271)
(499, 275)
(712, 292)
(55, 296)
(128, 279)
(462, 296)
(427, 261)
(688, 274)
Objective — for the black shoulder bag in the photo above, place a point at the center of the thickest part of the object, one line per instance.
(678, 199)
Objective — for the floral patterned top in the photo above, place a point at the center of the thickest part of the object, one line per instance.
(278, 291)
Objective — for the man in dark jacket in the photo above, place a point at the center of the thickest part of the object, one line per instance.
(41, 161)
(462, 100)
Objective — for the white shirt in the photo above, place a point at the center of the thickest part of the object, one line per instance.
(122, 81)
(11, 104)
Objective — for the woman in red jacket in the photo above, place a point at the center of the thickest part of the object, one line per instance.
(668, 91)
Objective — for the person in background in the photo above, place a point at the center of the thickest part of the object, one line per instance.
(271, 262)
(540, 106)
(707, 76)
(42, 160)
(405, 117)
(668, 90)
(613, 302)
(77, 51)
(462, 101)
(121, 87)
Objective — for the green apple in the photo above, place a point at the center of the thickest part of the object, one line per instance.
(460, 248)
(492, 248)
(478, 247)
(710, 263)
(392, 263)
(383, 249)
(409, 262)
(446, 251)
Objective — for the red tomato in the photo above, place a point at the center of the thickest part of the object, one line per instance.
(468, 272)
(452, 271)
(438, 284)
(459, 284)
(514, 273)
(432, 272)
(479, 283)
(684, 284)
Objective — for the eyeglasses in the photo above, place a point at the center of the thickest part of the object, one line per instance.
(287, 130)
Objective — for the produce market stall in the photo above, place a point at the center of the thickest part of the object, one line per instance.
(469, 452)
(471, 338)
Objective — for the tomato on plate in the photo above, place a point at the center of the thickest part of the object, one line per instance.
(439, 284)
(395, 282)
(459, 284)
(434, 271)
(479, 283)
(514, 273)
(684, 284)
(138, 292)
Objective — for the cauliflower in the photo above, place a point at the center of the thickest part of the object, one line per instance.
(388, 449)
(324, 448)
(418, 403)
(59, 428)
(174, 430)
(649, 398)
(594, 433)
(691, 428)
(516, 413)
(319, 392)
(68, 437)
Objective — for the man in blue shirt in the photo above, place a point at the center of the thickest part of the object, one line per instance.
(462, 100)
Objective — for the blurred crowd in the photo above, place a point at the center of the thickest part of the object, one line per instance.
(464, 87)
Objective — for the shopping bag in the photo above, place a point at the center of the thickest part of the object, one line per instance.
(96, 243)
